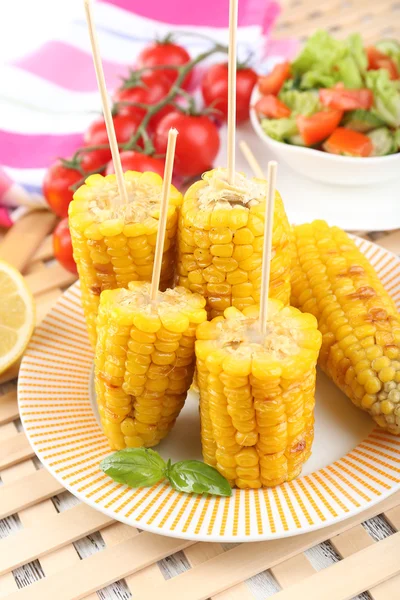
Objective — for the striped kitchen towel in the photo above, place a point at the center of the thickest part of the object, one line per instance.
(62, 99)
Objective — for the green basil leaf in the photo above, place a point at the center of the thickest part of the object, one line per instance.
(136, 467)
(193, 476)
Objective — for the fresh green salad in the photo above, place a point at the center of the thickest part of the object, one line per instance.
(336, 96)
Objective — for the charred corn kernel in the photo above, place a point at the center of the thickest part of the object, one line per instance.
(114, 245)
(220, 241)
(144, 369)
(257, 395)
(333, 280)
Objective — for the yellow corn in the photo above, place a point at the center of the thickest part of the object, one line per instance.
(220, 242)
(114, 245)
(257, 395)
(144, 361)
(358, 320)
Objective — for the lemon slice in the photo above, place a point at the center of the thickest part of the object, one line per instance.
(17, 315)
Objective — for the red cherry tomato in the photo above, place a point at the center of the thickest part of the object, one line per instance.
(343, 99)
(270, 106)
(319, 126)
(94, 160)
(165, 53)
(150, 88)
(62, 246)
(197, 144)
(348, 142)
(272, 83)
(214, 87)
(56, 187)
(134, 161)
(125, 127)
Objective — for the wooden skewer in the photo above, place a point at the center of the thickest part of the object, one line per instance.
(101, 82)
(267, 248)
(251, 159)
(233, 17)
(169, 165)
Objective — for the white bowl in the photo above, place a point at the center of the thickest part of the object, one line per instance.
(325, 167)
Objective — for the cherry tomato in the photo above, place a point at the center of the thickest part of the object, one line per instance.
(165, 53)
(319, 126)
(93, 160)
(154, 121)
(125, 127)
(197, 144)
(149, 89)
(135, 161)
(214, 87)
(270, 106)
(343, 99)
(62, 246)
(348, 142)
(379, 60)
(56, 187)
(272, 83)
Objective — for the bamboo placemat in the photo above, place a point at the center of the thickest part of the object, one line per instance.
(374, 20)
(55, 546)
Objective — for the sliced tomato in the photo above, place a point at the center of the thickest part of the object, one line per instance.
(272, 83)
(348, 142)
(319, 126)
(343, 99)
(270, 106)
(379, 60)
(374, 55)
(389, 64)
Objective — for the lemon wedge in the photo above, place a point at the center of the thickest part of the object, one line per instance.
(17, 315)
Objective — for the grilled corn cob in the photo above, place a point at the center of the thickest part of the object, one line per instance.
(115, 245)
(257, 396)
(358, 320)
(220, 242)
(144, 361)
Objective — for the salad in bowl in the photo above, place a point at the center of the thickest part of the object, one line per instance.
(336, 96)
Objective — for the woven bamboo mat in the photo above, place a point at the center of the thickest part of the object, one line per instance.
(374, 20)
(53, 546)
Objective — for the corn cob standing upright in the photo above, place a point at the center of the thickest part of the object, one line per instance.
(358, 320)
(221, 240)
(115, 244)
(257, 394)
(144, 361)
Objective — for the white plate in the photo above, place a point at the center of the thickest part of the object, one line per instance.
(352, 466)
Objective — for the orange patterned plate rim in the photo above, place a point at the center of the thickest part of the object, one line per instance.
(55, 409)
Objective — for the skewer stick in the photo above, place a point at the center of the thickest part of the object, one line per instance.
(267, 248)
(251, 159)
(158, 256)
(233, 17)
(101, 83)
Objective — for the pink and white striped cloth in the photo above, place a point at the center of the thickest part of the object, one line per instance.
(50, 96)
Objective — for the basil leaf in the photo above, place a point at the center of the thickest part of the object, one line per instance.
(136, 467)
(199, 478)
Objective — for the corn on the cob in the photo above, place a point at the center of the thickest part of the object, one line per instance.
(220, 242)
(144, 361)
(115, 245)
(257, 396)
(358, 320)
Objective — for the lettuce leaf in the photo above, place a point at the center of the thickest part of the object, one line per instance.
(324, 61)
(349, 73)
(300, 103)
(386, 96)
(356, 47)
(280, 129)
